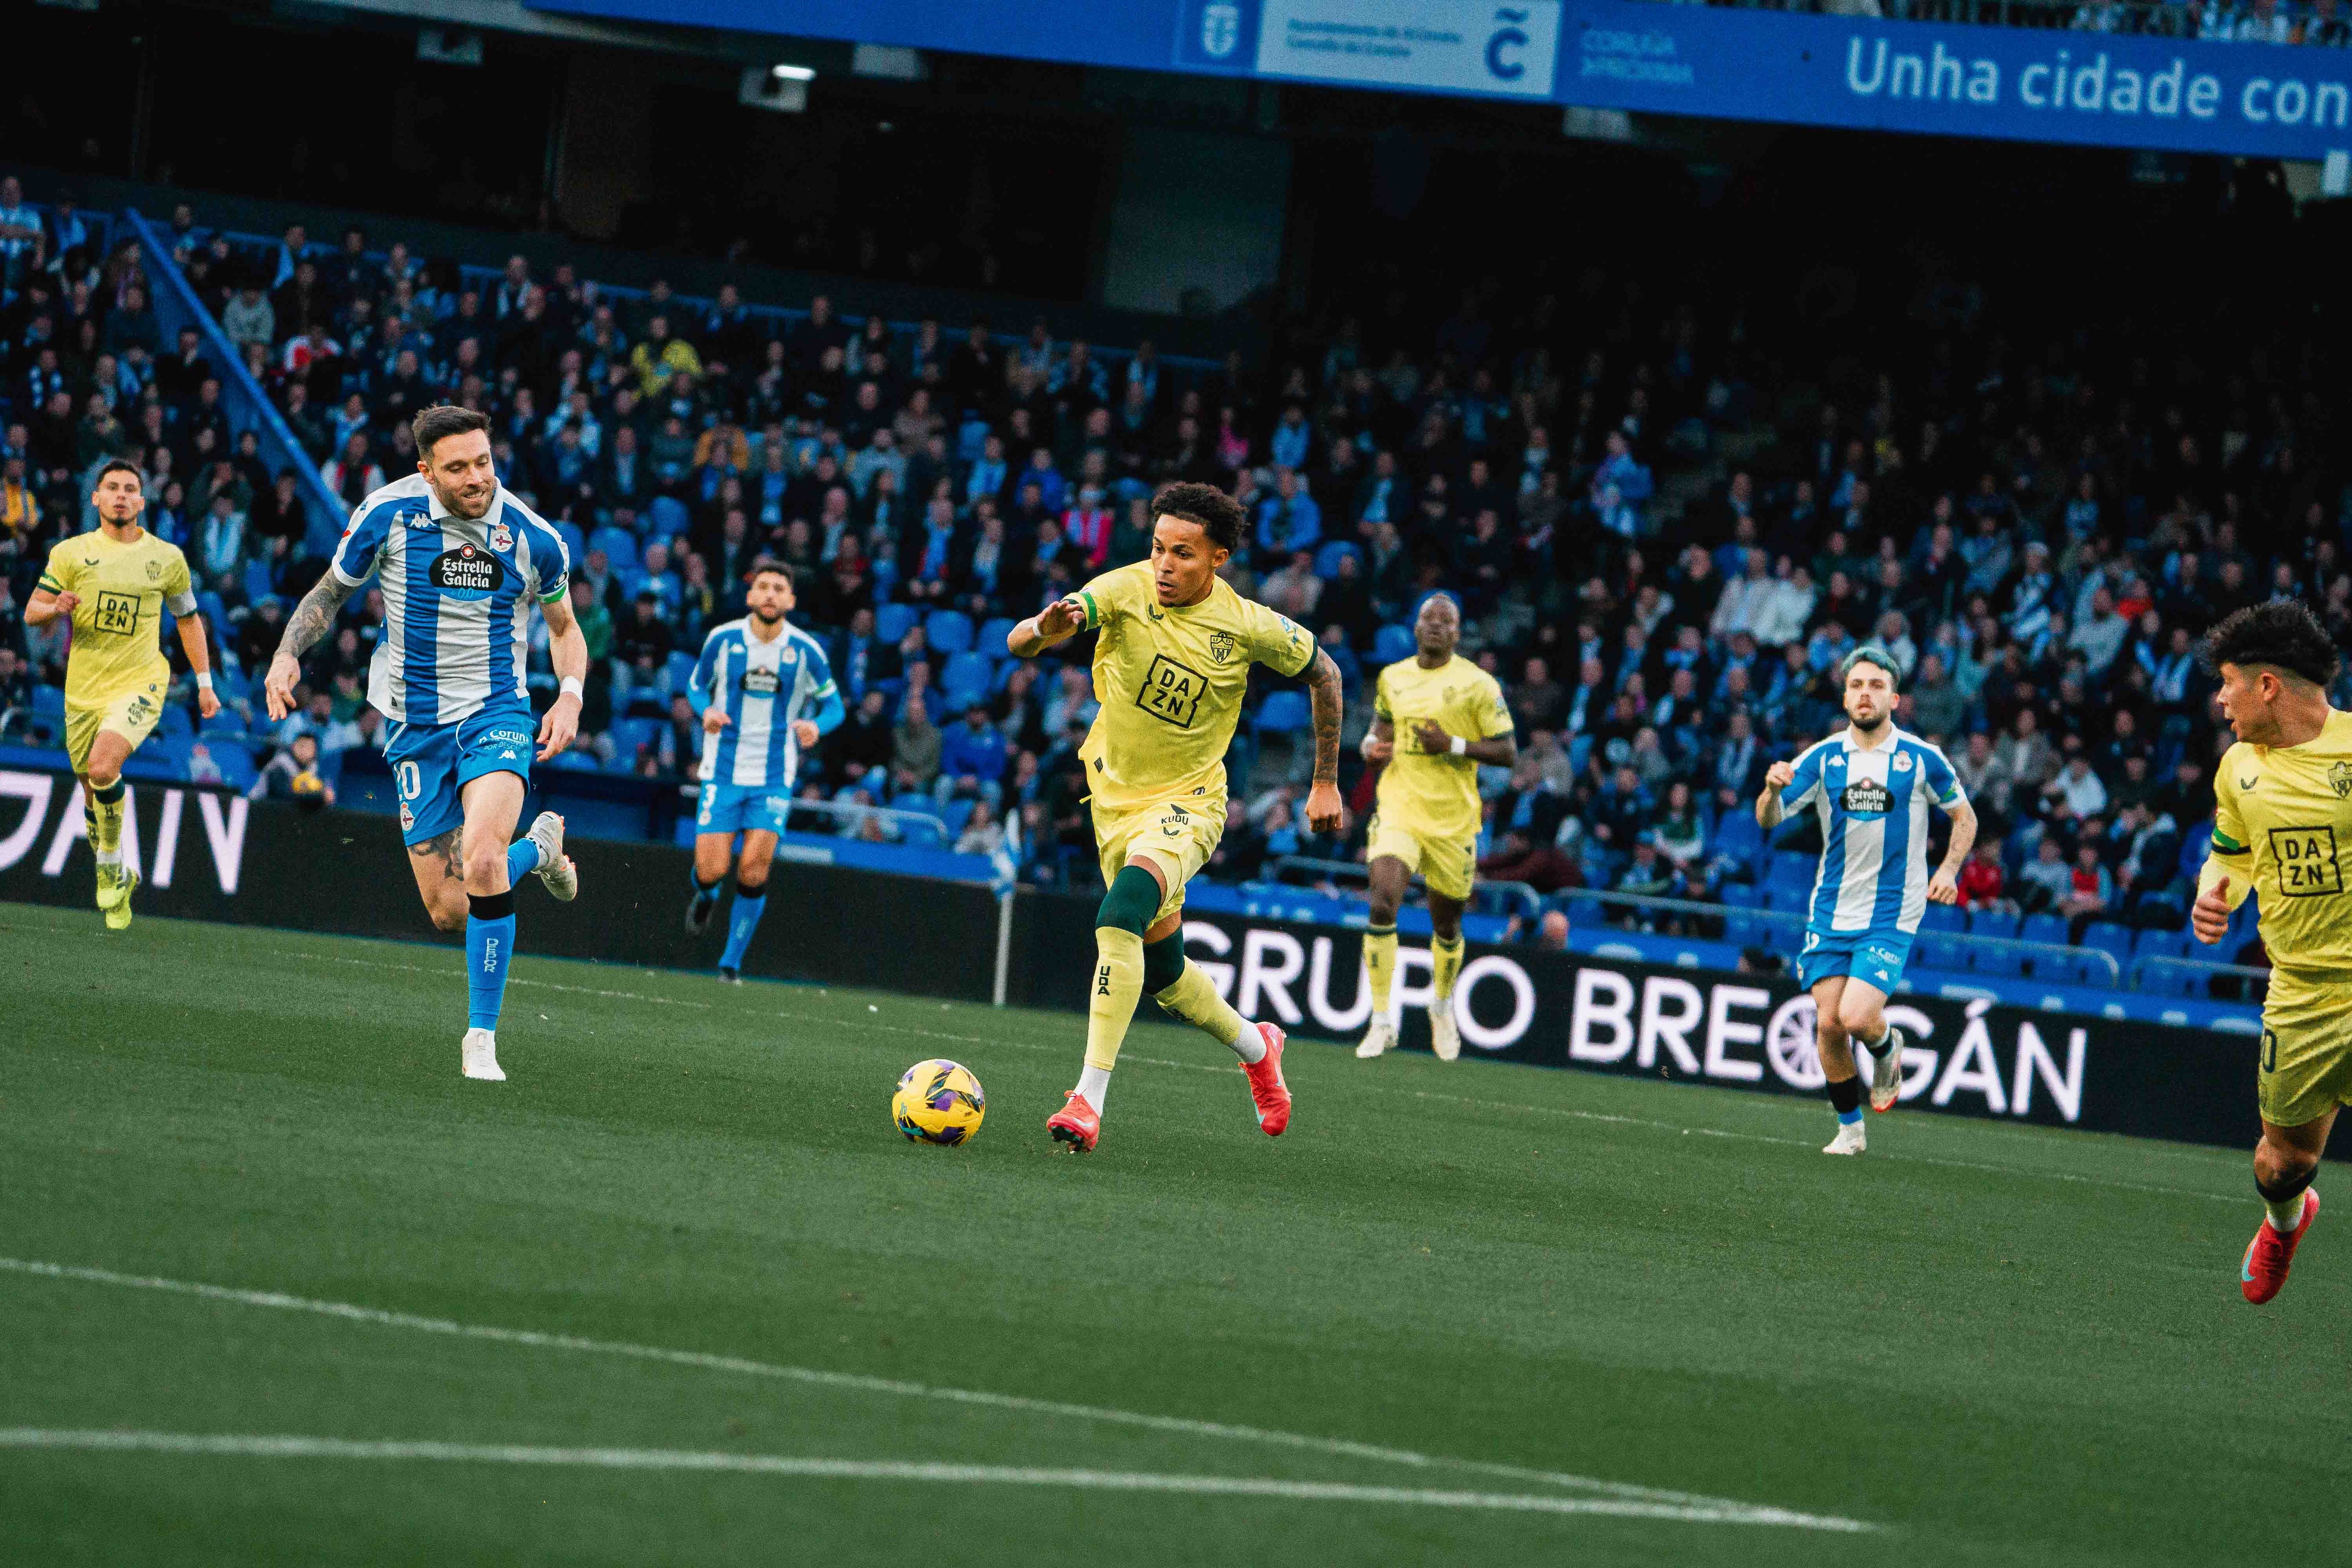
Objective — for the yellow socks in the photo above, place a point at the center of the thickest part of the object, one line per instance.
(106, 819)
(1117, 986)
(1380, 965)
(1445, 966)
(1195, 1000)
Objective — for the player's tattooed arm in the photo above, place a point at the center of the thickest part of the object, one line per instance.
(311, 619)
(1944, 888)
(1324, 812)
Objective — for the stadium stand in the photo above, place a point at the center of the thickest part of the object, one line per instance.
(1663, 542)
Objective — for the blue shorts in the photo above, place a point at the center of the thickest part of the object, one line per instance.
(1873, 957)
(743, 809)
(433, 763)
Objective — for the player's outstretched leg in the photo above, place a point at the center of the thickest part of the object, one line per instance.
(1127, 909)
(1844, 1086)
(1379, 975)
(751, 903)
(1446, 968)
(115, 880)
(2285, 1161)
(1183, 992)
(542, 851)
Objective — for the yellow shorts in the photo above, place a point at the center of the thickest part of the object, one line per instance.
(1447, 864)
(1176, 836)
(2307, 1060)
(132, 714)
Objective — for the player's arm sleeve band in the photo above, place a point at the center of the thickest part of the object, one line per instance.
(181, 603)
(51, 583)
(345, 578)
(1094, 611)
(831, 713)
(554, 591)
(2225, 845)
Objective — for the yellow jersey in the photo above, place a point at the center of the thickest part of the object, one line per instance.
(118, 625)
(1169, 680)
(2283, 830)
(1437, 792)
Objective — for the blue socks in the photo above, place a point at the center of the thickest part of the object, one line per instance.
(522, 860)
(742, 922)
(489, 945)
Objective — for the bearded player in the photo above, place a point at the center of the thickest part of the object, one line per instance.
(1435, 717)
(2282, 828)
(114, 585)
(458, 560)
(1171, 666)
(1872, 784)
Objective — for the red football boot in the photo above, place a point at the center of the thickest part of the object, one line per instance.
(1266, 1088)
(2263, 1274)
(1077, 1124)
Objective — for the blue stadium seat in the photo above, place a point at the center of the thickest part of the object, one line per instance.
(258, 583)
(948, 631)
(236, 764)
(967, 678)
(2152, 942)
(628, 734)
(954, 814)
(1284, 712)
(228, 721)
(619, 545)
(1944, 920)
(2044, 927)
(1742, 895)
(1993, 922)
(1784, 899)
(1793, 865)
(681, 670)
(1327, 560)
(1946, 952)
(176, 722)
(668, 517)
(1394, 645)
(891, 622)
(992, 632)
(1744, 928)
(2116, 941)
(1998, 963)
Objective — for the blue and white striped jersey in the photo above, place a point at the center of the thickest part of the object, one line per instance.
(1873, 804)
(764, 687)
(456, 598)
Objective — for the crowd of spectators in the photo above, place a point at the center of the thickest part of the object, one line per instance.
(2037, 536)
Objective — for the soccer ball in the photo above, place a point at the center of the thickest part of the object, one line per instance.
(938, 1101)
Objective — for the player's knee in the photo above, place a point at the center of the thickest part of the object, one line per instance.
(103, 776)
(1863, 1018)
(448, 914)
(1131, 901)
(1829, 1031)
(485, 862)
(2282, 1170)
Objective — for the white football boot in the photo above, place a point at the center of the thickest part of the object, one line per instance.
(1378, 1038)
(1849, 1140)
(1444, 1034)
(1886, 1071)
(481, 1056)
(561, 876)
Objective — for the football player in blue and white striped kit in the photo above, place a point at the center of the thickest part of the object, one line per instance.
(459, 560)
(765, 692)
(1871, 784)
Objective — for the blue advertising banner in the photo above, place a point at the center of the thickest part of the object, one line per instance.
(2015, 84)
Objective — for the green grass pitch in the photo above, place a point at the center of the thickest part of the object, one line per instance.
(1989, 1344)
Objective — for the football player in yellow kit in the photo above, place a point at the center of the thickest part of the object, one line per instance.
(1435, 719)
(2282, 828)
(115, 585)
(1171, 666)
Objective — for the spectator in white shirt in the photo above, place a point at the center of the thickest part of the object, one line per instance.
(2077, 790)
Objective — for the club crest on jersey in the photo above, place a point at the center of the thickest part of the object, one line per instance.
(501, 537)
(155, 575)
(2339, 779)
(1220, 646)
(1901, 763)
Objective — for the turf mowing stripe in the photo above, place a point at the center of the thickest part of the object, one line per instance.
(511, 979)
(282, 1447)
(864, 1382)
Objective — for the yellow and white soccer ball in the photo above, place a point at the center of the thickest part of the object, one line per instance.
(938, 1101)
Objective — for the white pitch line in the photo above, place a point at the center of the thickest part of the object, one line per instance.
(862, 1383)
(511, 979)
(289, 1447)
